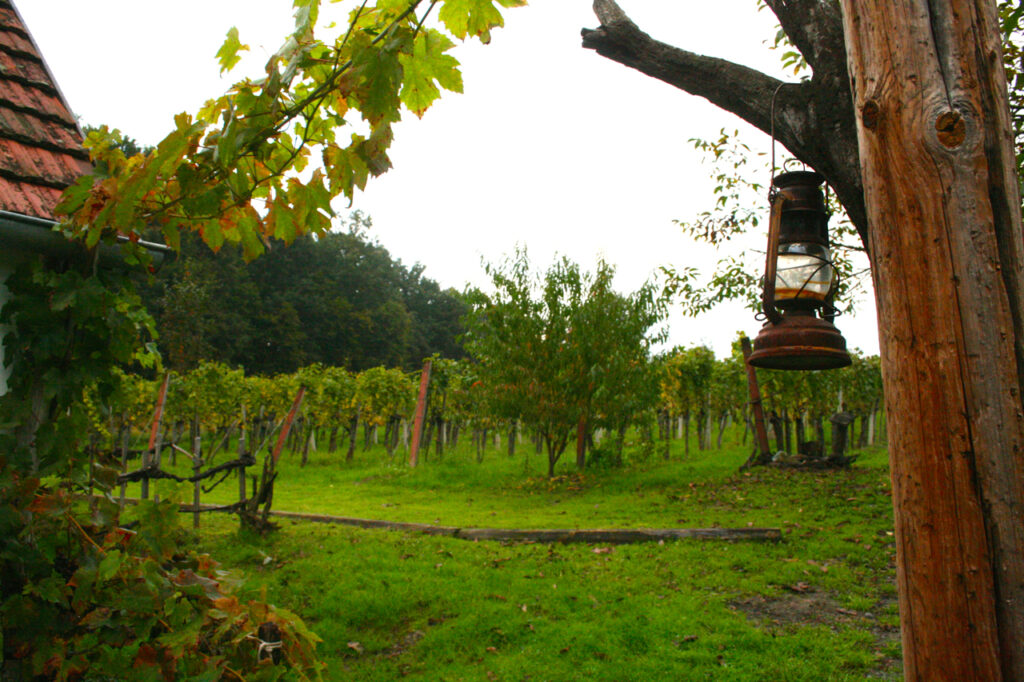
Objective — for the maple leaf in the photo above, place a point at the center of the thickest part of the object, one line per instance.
(474, 17)
(380, 77)
(428, 64)
(227, 55)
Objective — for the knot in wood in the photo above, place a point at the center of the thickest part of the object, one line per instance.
(869, 114)
(951, 129)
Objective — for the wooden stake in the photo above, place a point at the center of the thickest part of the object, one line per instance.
(764, 451)
(197, 465)
(421, 410)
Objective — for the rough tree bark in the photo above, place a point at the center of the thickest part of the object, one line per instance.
(939, 211)
(948, 265)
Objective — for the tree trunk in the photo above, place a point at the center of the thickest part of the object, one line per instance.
(353, 430)
(686, 435)
(787, 431)
(581, 444)
(513, 428)
(666, 432)
(620, 440)
(702, 431)
(946, 250)
(723, 421)
(780, 438)
(306, 441)
(439, 442)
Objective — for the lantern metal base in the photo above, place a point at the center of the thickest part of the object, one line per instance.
(801, 342)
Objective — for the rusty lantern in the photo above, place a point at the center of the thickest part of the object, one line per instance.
(799, 281)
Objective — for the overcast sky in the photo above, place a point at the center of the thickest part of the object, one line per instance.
(551, 147)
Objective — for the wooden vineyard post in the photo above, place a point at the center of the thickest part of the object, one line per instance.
(154, 434)
(764, 451)
(197, 465)
(125, 442)
(947, 260)
(241, 455)
(421, 410)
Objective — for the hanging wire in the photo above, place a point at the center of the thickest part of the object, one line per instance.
(771, 180)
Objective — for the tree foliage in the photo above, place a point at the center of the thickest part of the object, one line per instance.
(554, 351)
(264, 160)
(339, 299)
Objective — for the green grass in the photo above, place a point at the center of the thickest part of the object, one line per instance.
(819, 605)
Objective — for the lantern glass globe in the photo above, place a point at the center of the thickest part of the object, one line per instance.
(804, 272)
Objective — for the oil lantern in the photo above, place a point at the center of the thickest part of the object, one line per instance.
(799, 281)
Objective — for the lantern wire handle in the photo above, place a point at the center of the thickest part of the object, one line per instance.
(771, 261)
(771, 181)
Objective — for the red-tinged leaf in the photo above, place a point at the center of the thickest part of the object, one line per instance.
(229, 229)
(280, 222)
(229, 604)
(147, 657)
(428, 64)
(380, 80)
(250, 228)
(212, 235)
(44, 504)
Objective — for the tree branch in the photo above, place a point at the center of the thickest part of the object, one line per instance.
(748, 94)
(813, 119)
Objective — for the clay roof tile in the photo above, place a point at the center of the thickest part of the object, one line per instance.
(40, 142)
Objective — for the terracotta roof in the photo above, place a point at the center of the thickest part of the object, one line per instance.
(40, 142)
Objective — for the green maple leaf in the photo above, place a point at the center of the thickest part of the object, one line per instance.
(428, 64)
(474, 17)
(227, 55)
(380, 75)
(346, 170)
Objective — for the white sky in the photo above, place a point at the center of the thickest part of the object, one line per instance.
(551, 146)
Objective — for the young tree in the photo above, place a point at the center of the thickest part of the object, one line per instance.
(544, 349)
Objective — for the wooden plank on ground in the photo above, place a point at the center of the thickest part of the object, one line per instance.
(604, 536)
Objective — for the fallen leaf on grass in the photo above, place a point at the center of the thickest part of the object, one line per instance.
(356, 646)
(603, 550)
(799, 587)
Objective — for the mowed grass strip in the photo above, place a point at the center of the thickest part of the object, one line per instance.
(819, 605)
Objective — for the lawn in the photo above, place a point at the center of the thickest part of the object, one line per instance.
(819, 605)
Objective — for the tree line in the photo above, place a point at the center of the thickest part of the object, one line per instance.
(339, 299)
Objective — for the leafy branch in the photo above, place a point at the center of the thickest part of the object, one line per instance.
(239, 170)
